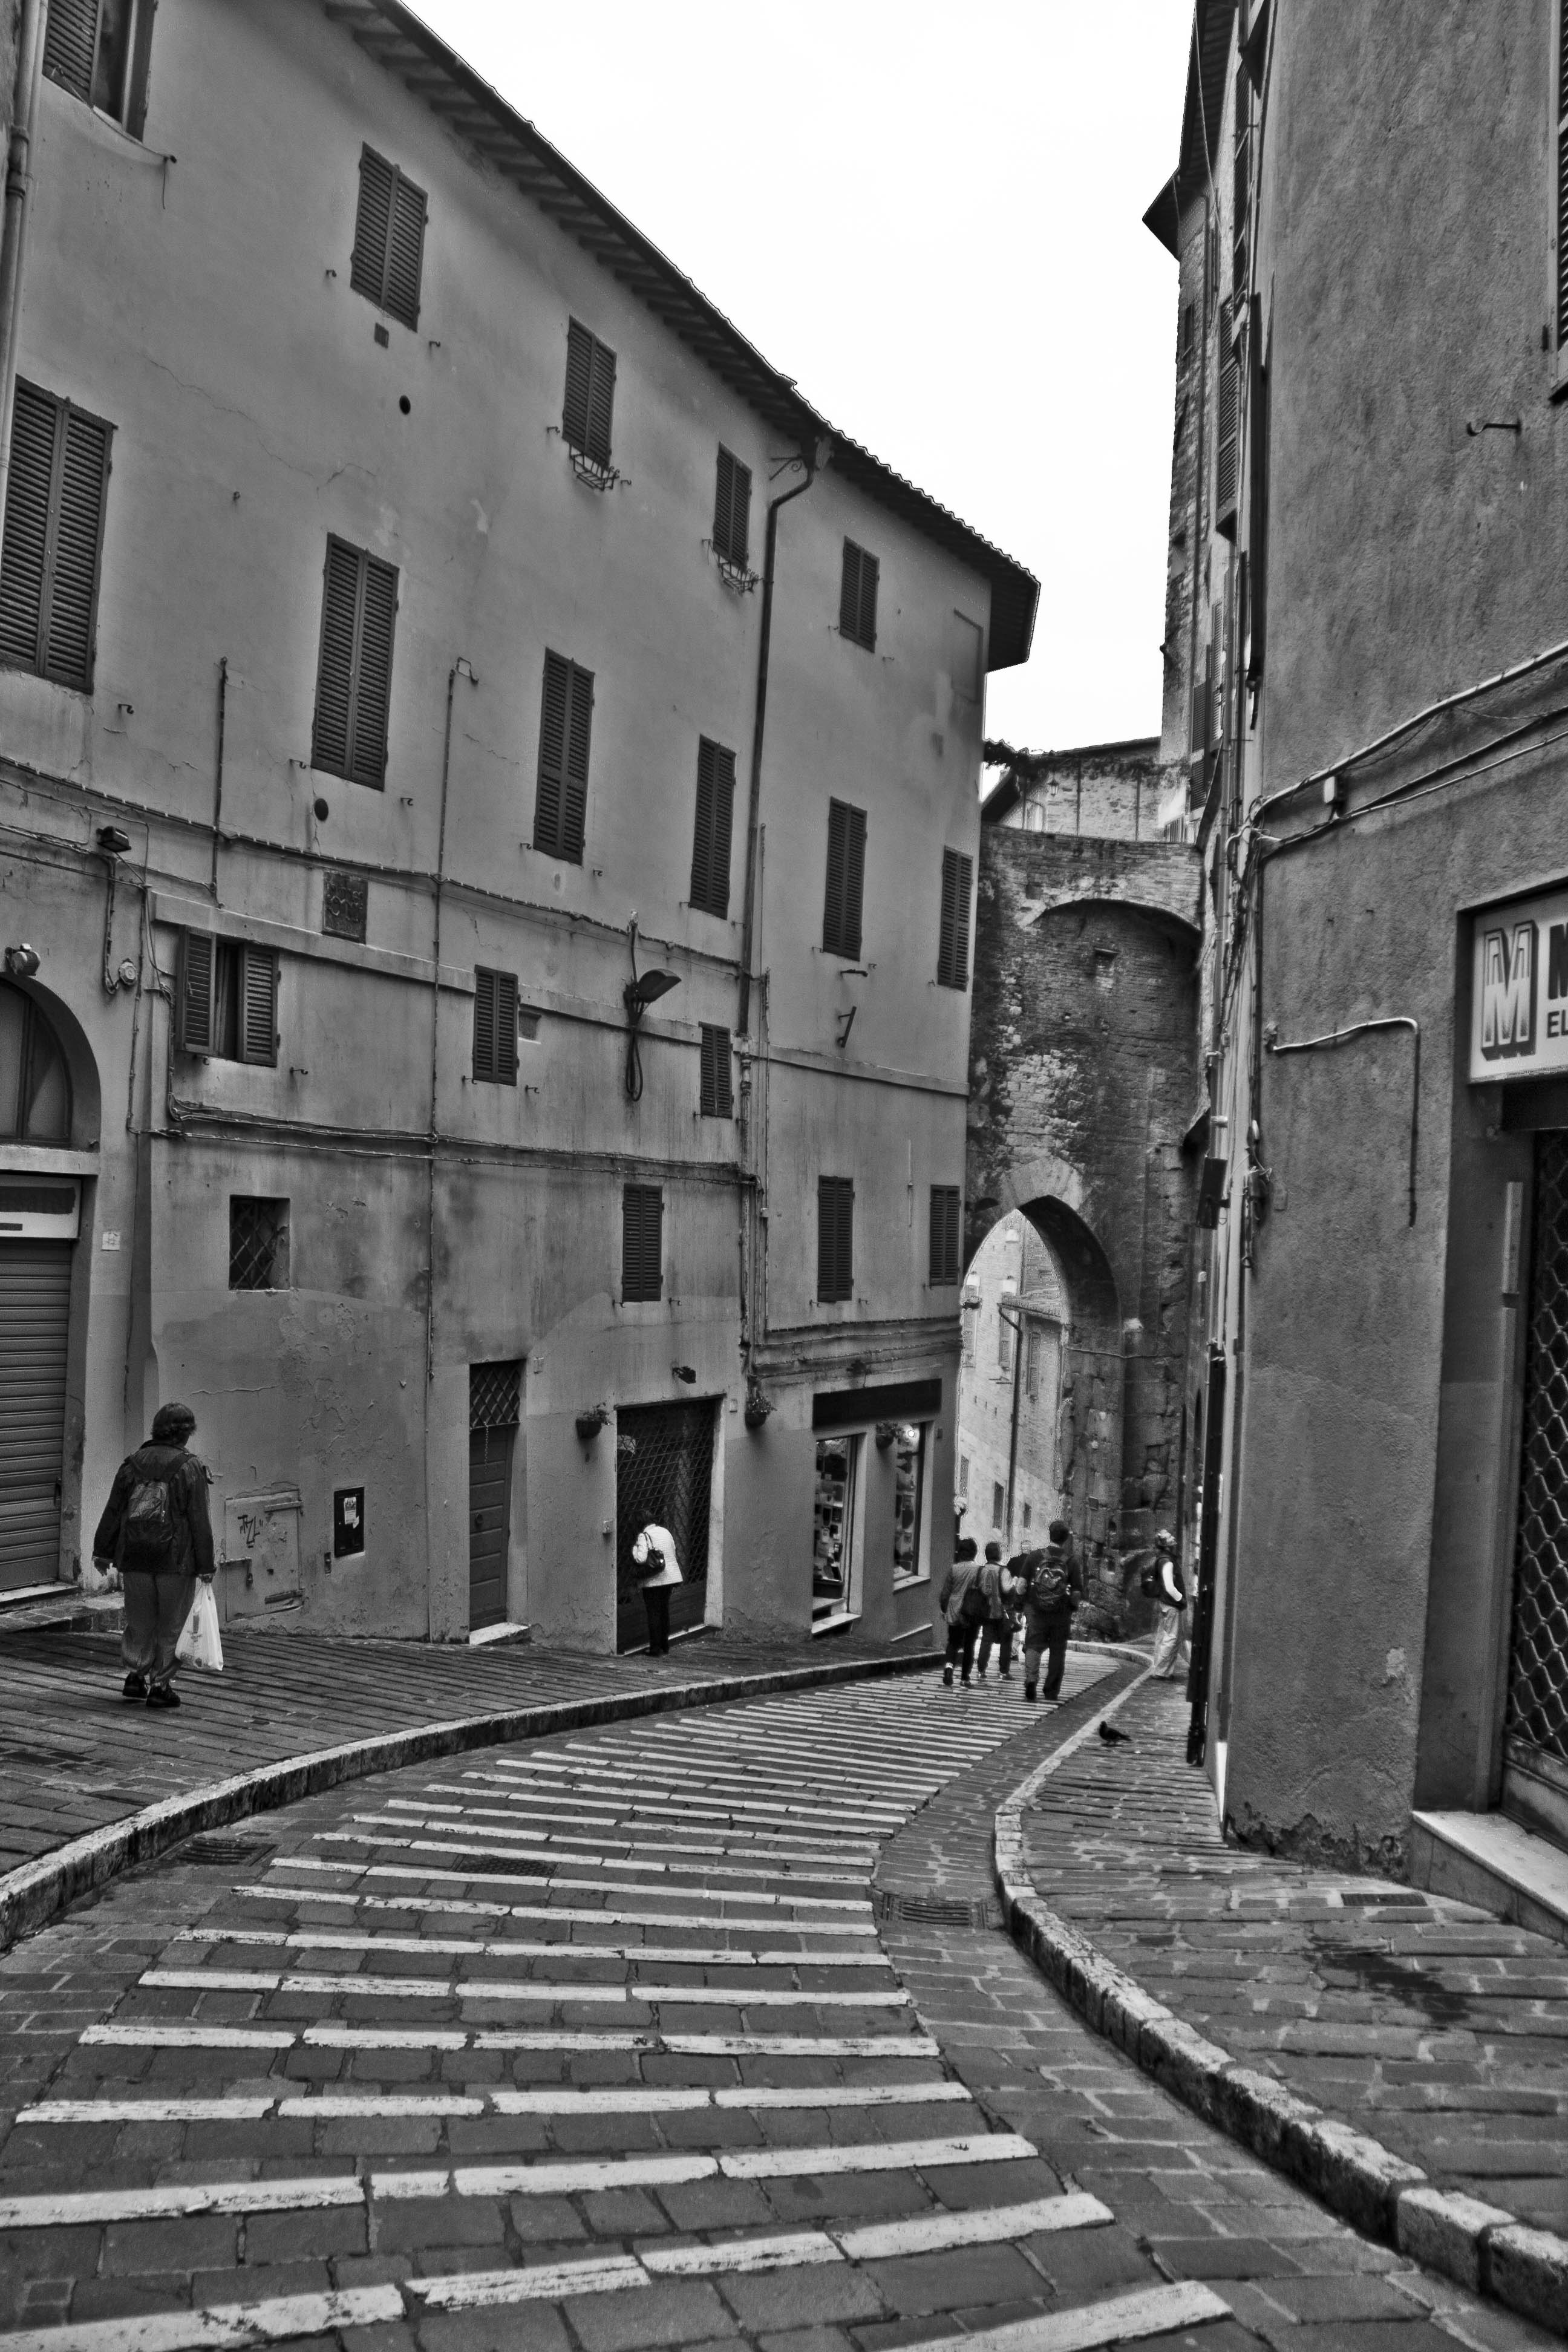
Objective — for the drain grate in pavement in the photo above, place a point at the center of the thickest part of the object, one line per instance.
(214, 1851)
(938, 1910)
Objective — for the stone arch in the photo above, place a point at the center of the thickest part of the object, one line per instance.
(66, 1034)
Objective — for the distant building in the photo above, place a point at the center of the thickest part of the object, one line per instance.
(1009, 1393)
(1113, 791)
(502, 1067)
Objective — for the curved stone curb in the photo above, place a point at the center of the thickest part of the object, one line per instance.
(1379, 2193)
(37, 1893)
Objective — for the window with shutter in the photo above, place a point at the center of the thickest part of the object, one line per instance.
(495, 1027)
(1241, 186)
(257, 1007)
(353, 677)
(389, 238)
(54, 537)
(944, 1218)
(835, 1239)
(642, 1243)
(711, 836)
(1225, 468)
(857, 597)
(226, 1000)
(845, 879)
(100, 51)
(588, 413)
(565, 724)
(733, 509)
(716, 1097)
(1560, 111)
(953, 940)
(194, 994)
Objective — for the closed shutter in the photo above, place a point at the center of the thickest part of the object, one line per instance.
(1225, 439)
(845, 879)
(54, 537)
(258, 1007)
(858, 596)
(373, 695)
(565, 726)
(835, 1238)
(74, 558)
(732, 509)
(589, 410)
(335, 670)
(953, 941)
(35, 1326)
(944, 1212)
(642, 1243)
(354, 679)
(495, 1026)
(70, 45)
(716, 1096)
(711, 835)
(1562, 175)
(1241, 185)
(195, 1000)
(389, 238)
(33, 421)
(601, 405)
(484, 1024)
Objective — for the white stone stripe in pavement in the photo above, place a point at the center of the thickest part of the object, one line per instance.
(645, 1836)
(181, 2033)
(729, 1763)
(624, 1841)
(539, 2176)
(542, 1881)
(838, 1815)
(515, 1947)
(685, 1780)
(470, 1908)
(552, 1990)
(637, 2099)
(1150, 2311)
(517, 1851)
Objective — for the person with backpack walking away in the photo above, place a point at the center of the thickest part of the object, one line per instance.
(1173, 1599)
(997, 1631)
(1052, 1579)
(155, 1529)
(962, 1604)
(657, 1571)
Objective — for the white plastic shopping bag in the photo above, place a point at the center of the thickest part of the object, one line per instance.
(200, 1642)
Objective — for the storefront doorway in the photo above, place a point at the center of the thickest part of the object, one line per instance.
(1535, 1752)
(494, 1395)
(664, 1476)
(39, 1218)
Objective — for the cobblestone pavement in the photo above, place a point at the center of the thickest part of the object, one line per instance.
(1433, 2026)
(74, 1757)
(593, 2041)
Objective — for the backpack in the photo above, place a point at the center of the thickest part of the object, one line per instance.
(972, 1608)
(1050, 1581)
(148, 1527)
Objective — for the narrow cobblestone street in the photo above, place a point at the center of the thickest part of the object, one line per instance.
(685, 2032)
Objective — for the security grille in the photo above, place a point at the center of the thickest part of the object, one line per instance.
(494, 1390)
(664, 1474)
(257, 1243)
(344, 903)
(1538, 1664)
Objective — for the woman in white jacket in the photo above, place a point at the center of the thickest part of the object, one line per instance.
(1172, 1610)
(654, 1551)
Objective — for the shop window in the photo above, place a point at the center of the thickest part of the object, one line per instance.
(835, 1533)
(257, 1243)
(226, 1000)
(910, 1449)
(98, 50)
(35, 1085)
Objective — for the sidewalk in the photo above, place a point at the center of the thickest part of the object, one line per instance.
(89, 1784)
(1404, 2055)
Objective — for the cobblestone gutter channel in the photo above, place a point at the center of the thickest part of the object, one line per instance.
(1479, 2245)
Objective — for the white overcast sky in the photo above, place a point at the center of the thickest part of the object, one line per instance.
(931, 217)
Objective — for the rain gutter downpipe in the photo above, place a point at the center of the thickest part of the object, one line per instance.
(12, 236)
(814, 462)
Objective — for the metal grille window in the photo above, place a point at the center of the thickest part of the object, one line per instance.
(346, 900)
(353, 682)
(389, 238)
(710, 838)
(846, 880)
(857, 597)
(495, 1393)
(1538, 1661)
(226, 1000)
(257, 1243)
(944, 1212)
(495, 1027)
(589, 410)
(53, 548)
(642, 1243)
(100, 51)
(835, 1238)
(733, 509)
(566, 724)
(952, 933)
(716, 1095)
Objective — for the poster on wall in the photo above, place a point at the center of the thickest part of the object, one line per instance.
(1519, 1010)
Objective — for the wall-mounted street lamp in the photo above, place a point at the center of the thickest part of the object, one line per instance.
(22, 961)
(636, 996)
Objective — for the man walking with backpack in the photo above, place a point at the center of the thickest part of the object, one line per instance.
(155, 1530)
(1051, 1581)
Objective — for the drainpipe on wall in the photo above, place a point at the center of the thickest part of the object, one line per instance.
(13, 236)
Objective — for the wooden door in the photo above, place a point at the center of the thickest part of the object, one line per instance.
(489, 1523)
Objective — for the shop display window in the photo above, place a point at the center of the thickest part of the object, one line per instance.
(833, 1532)
(908, 1499)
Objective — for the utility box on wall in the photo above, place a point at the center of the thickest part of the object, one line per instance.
(260, 1553)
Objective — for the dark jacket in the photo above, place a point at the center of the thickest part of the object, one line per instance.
(193, 1549)
(1022, 1567)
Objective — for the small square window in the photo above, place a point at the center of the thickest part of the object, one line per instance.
(257, 1243)
(346, 900)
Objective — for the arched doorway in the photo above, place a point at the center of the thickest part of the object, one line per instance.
(39, 1218)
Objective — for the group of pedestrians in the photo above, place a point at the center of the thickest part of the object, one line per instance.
(987, 1601)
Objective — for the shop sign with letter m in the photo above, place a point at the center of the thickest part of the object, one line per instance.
(1518, 1010)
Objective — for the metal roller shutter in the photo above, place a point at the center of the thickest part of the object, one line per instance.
(34, 1323)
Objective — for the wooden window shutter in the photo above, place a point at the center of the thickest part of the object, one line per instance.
(372, 695)
(54, 537)
(194, 992)
(495, 1026)
(1562, 112)
(588, 413)
(389, 238)
(353, 680)
(716, 1098)
(944, 1213)
(845, 879)
(1227, 468)
(506, 1028)
(70, 45)
(869, 575)
(642, 1243)
(713, 829)
(484, 1023)
(601, 405)
(335, 668)
(565, 726)
(835, 1238)
(258, 1006)
(1257, 515)
(732, 509)
(952, 943)
(858, 596)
